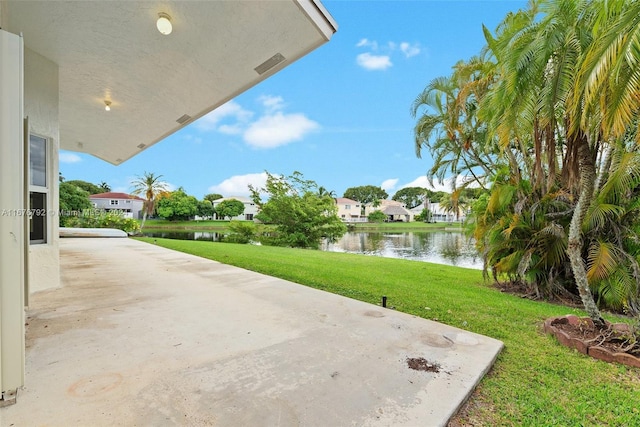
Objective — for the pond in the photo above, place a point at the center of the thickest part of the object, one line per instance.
(440, 247)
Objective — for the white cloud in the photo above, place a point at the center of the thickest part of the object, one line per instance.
(278, 129)
(235, 129)
(272, 103)
(409, 50)
(389, 184)
(373, 62)
(228, 111)
(367, 43)
(69, 158)
(445, 186)
(272, 129)
(238, 185)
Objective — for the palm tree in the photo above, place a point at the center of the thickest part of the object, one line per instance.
(552, 112)
(322, 192)
(448, 125)
(104, 187)
(150, 186)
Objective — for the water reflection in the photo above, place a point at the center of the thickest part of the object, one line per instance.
(442, 247)
(210, 236)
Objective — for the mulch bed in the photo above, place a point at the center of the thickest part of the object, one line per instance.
(613, 343)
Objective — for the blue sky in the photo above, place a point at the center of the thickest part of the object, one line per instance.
(340, 115)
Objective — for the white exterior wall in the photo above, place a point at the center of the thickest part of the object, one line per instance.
(249, 207)
(41, 107)
(134, 205)
(347, 214)
(12, 220)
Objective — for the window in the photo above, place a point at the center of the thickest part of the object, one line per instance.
(114, 202)
(248, 217)
(347, 206)
(38, 189)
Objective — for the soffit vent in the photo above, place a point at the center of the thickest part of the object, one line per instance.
(141, 146)
(269, 63)
(184, 119)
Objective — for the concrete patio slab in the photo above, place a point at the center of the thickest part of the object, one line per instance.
(139, 335)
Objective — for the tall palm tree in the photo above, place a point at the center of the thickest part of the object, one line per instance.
(552, 112)
(104, 187)
(448, 126)
(322, 192)
(150, 186)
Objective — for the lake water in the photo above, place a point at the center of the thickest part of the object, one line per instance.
(441, 247)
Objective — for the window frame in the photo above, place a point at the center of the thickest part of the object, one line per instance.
(40, 212)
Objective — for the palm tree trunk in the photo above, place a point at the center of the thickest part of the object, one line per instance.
(144, 218)
(587, 172)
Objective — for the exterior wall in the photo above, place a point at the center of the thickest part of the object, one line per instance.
(249, 208)
(41, 107)
(12, 220)
(133, 205)
(348, 209)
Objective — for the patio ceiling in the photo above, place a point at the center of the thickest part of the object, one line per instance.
(112, 51)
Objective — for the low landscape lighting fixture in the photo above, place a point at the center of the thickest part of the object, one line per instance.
(107, 105)
(164, 24)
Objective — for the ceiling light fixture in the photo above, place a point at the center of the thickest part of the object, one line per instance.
(164, 24)
(107, 105)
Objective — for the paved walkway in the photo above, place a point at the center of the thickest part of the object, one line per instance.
(139, 335)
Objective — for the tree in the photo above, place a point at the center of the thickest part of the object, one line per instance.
(377, 216)
(324, 192)
(229, 208)
(104, 187)
(205, 209)
(301, 217)
(411, 196)
(212, 196)
(150, 186)
(366, 195)
(177, 206)
(553, 106)
(86, 186)
(72, 199)
(424, 216)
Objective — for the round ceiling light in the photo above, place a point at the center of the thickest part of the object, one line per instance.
(164, 24)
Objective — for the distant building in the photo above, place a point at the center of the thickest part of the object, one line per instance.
(395, 211)
(349, 210)
(130, 205)
(250, 208)
(439, 213)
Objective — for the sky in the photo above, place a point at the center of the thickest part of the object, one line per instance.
(340, 115)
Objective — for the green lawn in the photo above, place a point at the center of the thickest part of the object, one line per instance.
(535, 381)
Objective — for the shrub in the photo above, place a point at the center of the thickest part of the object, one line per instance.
(377, 216)
(103, 219)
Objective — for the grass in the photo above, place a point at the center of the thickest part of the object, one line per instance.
(535, 381)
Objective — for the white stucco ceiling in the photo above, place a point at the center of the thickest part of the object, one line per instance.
(111, 50)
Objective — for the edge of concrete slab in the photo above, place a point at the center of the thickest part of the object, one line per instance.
(159, 336)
